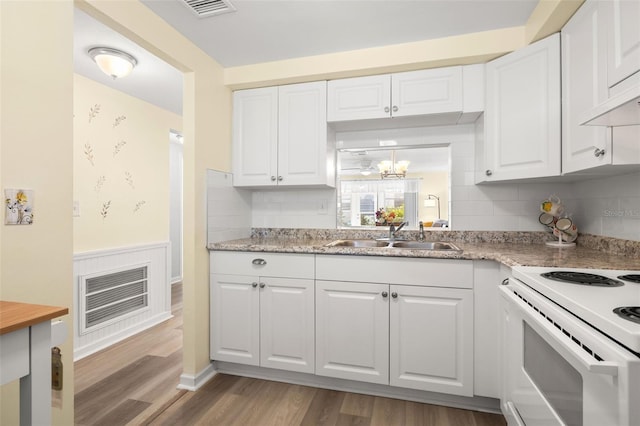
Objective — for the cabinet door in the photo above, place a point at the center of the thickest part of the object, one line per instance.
(255, 137)
(287, 324)
(235, 310)
(584, 86)
(431, 91)
(623, 20)
(431, 344)
(352, 331)
(522, 118)
(302, 134)
(359, 98)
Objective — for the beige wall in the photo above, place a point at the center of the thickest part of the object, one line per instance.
(207, 144)
(120, 168)
(37, 153)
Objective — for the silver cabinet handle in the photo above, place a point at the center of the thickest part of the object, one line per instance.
(279, 178)
(273, 178)
(394, 109)
(386, 109)
(385, 294)
(394, 295)
(599, 152)
(254, 285)
(259, 262)
(488, 172)
(505, 281)
(262, 285)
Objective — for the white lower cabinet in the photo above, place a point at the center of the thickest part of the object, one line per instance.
(411, 336)
(409, 323)
(431, 339)
(263, 320)
(352, 331)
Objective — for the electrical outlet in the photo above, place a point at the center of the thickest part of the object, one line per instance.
(76, 208)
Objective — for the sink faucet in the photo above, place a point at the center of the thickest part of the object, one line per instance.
(393, 231)
(421, 237)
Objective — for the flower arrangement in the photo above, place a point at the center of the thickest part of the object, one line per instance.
(389, 216)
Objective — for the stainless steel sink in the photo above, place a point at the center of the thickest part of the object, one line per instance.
(423, 245)
(416, 245)
(358, 243)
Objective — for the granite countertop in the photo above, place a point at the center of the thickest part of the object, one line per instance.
(523, 249)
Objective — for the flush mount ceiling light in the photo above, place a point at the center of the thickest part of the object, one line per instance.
(114, 63)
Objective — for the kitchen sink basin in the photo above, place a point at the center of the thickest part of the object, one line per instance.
(423, 245)
(358, 243)
(416, 245)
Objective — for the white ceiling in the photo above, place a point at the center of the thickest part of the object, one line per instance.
(269, 30)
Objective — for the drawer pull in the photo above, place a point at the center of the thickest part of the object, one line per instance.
(262, 285)
(254, 285)
(259, 262)
(385, 294)
(394, 295)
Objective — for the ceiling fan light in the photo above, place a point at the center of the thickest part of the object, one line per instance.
(113, 62)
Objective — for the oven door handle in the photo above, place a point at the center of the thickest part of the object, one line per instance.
(558, 340)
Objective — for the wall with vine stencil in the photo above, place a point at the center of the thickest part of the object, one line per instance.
(121, 168)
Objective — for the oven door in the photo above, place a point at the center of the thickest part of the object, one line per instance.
(558, 370)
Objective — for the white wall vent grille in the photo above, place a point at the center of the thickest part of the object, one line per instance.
(108, 297)
(206, 8)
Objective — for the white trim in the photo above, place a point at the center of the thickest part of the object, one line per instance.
(192, 382)
(119, 250)
(176, 280)
(96, 346)
(476, 403)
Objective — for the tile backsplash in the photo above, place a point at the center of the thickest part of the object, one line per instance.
(607, 206)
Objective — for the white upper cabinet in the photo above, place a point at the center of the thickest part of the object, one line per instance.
(280, 136)
(522, 115)
(359, 98)
(586, 39)
(255, 136)
(584, 70)
(414, 93)
(623, 26)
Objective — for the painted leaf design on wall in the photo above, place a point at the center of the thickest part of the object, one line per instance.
(88, 152)
(129, 179)
(138, 205)
(94, 111)
(118, 146)
(101, 180)
(118, 120)
(105, 209)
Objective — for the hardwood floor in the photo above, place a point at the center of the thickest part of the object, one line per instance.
(134, 382)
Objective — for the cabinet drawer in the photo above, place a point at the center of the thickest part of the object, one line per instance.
(275, 264)
(411, 271)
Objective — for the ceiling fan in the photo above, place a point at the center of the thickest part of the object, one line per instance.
(366, 167)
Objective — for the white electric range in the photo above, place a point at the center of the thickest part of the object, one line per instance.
(592, 296)
(569, 357)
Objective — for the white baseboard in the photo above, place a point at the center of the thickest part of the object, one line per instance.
(192, 382)
(476, 403)
(81, 352)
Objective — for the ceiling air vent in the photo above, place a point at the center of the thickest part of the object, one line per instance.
(205, 8)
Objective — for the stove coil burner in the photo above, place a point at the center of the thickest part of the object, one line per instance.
(582, 278)
(634, 278)
(631, 313)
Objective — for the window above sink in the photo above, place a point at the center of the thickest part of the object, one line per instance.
(369, 196)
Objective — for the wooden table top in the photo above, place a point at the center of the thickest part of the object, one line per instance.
(16, 315)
